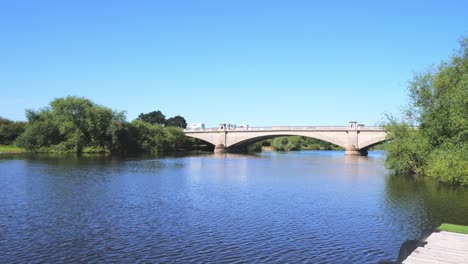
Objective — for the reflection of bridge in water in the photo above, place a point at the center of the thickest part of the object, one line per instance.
(354, 138)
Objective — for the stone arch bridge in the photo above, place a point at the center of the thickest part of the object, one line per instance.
(354, 138)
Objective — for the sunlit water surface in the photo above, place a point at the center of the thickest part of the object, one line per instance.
(309, 206)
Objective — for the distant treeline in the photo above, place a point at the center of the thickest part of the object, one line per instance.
(10, 130)
(296, 143)
(76, 124)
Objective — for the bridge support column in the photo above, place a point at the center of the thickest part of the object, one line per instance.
(352, 147)
(220, 148)
(355, 151)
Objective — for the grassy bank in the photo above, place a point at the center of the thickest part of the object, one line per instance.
(11, 149)
(453, 228)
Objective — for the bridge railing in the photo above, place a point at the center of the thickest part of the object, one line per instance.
(276, 128)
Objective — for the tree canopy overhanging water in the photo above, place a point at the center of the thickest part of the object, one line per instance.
(438, 148)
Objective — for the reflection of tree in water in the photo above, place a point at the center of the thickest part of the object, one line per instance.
(418, 203)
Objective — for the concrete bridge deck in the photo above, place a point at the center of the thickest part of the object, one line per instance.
(276, 128)
(354, 138)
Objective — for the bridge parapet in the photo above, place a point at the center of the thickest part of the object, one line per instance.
(289, 128)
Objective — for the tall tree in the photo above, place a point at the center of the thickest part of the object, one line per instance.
(155, 117)
(41, 133)
(73, 115)
(70, 124)
(10, 130)
(439, 107)
(287, 143)
(177, 121)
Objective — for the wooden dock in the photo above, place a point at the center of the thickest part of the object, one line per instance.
(442, 247)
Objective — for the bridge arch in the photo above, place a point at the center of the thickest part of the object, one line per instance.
(354, 139)
(327, 137)
(240, 138)
(370, 142)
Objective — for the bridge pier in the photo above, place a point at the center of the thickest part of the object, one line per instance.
(355, 151)
(220, 148)
(353, 141)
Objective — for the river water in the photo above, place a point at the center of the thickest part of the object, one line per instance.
(308, 206)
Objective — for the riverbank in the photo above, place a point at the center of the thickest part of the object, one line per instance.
(461, 229)
(11, 149)
(269, 148)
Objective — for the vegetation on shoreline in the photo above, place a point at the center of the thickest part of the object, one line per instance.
(296, 143)
(453, 228)
(11, 149)
(431, 138)
(77, 125)
(10, 130)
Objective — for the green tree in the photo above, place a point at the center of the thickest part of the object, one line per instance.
(149, 137)
(439, 107)
(407, 149)
(174, 139)
(10, 130)
(73, 115)
(153, 138)
(155, 117)
(70, 124)
(317, 144)
(41, 131)
(177, 121)
(255, 147)
(116, 133)
(287, 143)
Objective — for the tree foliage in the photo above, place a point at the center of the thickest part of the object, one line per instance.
(154, 117)
(157, 117)
(317, 144)
(439, 107)
(10, 130)
(177, 121)
(407, 150)
(286, 143)
(149, 137)
(72, 124)
(153, 138)
(41, 133)
(292, 143)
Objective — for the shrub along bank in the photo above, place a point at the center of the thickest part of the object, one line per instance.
(76, 124)
(431, 137)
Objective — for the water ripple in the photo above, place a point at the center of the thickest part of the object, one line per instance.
(288, 208)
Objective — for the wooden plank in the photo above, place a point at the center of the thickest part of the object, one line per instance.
(448, 251)
(423, 257)
(442, 247)
(439, 254)
(450, 234)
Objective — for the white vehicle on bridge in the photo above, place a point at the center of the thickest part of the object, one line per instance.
(197, 126)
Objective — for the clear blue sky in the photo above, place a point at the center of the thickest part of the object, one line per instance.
(242, 62)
